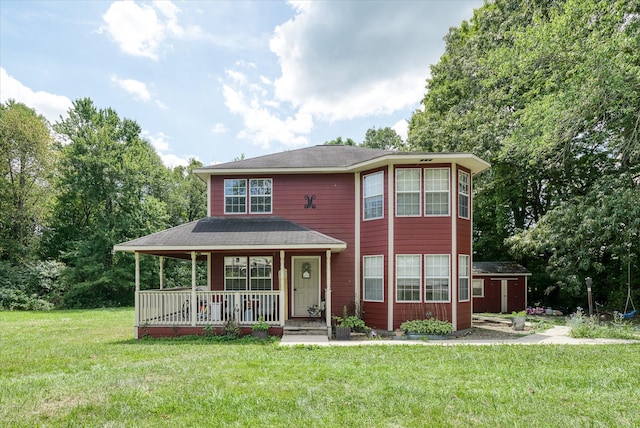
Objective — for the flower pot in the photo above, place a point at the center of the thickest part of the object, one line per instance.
(518, 323)
(343, 333)
(259, 334)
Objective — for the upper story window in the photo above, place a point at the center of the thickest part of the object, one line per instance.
(259, 194)
(436, 191)
(235, 196)
(463, 194)
(373, 191)
(408, 192)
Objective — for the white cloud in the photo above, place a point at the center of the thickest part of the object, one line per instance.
(160, 142)
(262, 122)
(136, 88)
(138, 28)
(219, 128)
(343, 60)
(402, 129)
(49, 105)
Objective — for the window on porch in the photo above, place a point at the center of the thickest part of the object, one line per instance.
(248, 273)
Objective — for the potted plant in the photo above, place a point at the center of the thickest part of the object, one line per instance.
(398, 334)
(518, 320)
(260, 329)
(346, 323)
(427, 329)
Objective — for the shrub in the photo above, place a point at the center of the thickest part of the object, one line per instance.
(428, 326)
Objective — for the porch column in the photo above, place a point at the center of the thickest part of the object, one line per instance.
(161, 272)
(282, 277)
(328, 294)
(137, 292)
(194, 305)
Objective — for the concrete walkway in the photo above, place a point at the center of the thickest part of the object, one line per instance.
(558, 335)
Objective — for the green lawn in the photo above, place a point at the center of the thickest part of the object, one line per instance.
(82, 368)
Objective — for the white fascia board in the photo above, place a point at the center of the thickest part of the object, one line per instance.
(337, 248)
(467, 160)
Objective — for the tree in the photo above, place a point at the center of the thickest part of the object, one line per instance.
(338, 142)
(26, 163)
(548, 91)
(383, 138)
(111, 184)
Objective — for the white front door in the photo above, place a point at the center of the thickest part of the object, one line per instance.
(306, 285)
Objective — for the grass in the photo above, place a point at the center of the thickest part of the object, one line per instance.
(82, 368)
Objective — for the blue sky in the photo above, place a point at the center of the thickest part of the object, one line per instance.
(216, 79)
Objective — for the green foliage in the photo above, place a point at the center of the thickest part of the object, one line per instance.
(339, 142)
(383, 138)
(261, 325)
(583, 326)
(26, 163)
(549, 93)
(231, 329)
(427, 326)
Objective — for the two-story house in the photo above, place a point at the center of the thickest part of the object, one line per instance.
(307, 232)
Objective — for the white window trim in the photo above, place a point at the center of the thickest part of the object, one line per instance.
(250, 196)
(449, 278)
(364, 205)
(246, 206)
(439, 191)
(419, 257)
(364, 278)
(468, 194)
(467, 277)
(247, 278)
(477, 281)
(420, 192)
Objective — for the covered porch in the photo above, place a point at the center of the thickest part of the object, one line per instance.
(280, 246)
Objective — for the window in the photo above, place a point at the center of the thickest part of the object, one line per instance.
(436, 191)
(463, 194)
(463, 278)
(372, 195)
(235, 196)
(478, 288)
(408, 278)
(373, 273)
(436, 269)
(407, 192)
(260, 195)
(240, 276)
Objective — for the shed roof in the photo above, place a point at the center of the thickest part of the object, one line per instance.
(233, 233)
(499, 268)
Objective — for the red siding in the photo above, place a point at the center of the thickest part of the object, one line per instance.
(492, 300)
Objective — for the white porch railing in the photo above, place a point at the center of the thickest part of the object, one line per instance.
(174, 307)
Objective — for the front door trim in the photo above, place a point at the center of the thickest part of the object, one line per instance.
(296, 276)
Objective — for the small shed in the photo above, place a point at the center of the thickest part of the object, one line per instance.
(499, 287)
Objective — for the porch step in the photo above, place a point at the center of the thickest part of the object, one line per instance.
(304, 327)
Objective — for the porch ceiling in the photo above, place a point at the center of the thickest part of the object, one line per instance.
(232, 233)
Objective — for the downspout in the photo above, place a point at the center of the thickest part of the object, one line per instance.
(194, 305)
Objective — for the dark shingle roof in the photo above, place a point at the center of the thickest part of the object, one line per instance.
(499, 268)
(211, 233)
(325, 156)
